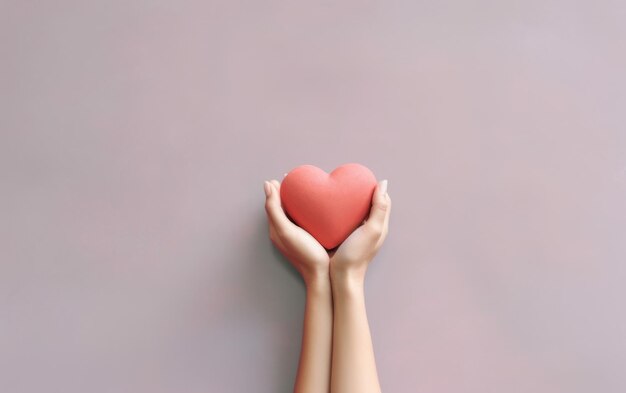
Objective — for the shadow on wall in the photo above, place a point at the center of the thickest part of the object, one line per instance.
(276, 296)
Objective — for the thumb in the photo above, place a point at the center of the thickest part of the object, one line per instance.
(379, 209)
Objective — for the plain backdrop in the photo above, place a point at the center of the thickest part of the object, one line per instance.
(136, 136)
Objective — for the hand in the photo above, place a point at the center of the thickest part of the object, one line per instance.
(305, 253)
(352, 257)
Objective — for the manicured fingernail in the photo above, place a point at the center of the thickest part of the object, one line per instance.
(268, 189)
(383, 187)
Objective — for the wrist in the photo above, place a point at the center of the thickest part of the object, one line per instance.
(347, 280)
(317, 281)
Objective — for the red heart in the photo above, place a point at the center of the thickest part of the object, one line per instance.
(328, 206)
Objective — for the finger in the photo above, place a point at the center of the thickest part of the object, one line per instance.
(275, 211)
(388, 212)
(386, 222)
(294, 229)
(380, 208)
(274, 236)
(277, 184)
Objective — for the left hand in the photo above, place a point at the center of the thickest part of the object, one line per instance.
(305, 253)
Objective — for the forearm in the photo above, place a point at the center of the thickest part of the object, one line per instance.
(315, 356)
(353, 362)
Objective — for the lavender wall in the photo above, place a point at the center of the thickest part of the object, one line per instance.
(135, 138)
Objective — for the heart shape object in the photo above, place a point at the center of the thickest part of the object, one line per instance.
(328, 206)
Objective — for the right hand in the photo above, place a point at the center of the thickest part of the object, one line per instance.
(355, 253)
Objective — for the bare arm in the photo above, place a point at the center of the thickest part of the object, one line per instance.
(334, 290)
(317, 335)
(353, 362)
(313, 263)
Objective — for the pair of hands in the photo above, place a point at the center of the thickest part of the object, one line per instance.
(310, 258)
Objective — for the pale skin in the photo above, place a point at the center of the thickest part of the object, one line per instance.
(337, 354)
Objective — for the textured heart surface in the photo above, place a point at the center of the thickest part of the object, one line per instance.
(328, 206)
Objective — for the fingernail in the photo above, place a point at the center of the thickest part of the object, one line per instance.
(383, 187)
(268, 189)
(284, 175)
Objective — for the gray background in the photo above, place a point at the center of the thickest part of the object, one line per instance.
(136, 135)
